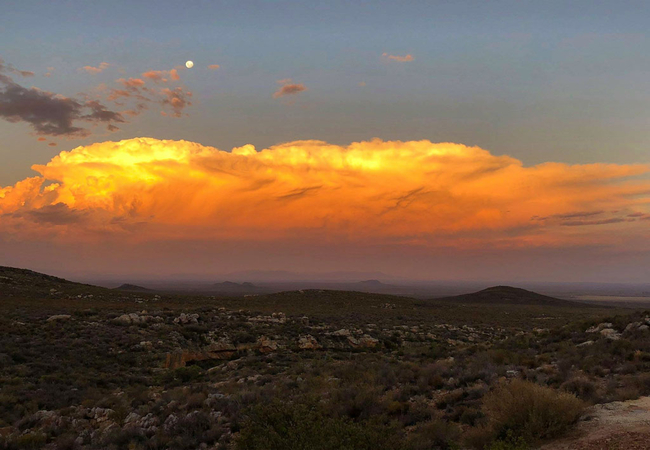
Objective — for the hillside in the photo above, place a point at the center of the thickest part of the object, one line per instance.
(14, 281)
(507, 295)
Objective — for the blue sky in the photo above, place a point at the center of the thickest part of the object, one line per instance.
(541, 81)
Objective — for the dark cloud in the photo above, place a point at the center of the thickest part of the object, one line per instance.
(57, 214)
(578, 223)
(49, 113)
(177, 99)
(572, 215)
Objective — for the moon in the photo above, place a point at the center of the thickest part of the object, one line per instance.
(189, 64)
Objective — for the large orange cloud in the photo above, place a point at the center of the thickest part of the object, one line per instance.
(371, 193)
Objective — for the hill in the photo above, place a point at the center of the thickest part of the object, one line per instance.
(24, 282)
(131, 288)
(508, 295)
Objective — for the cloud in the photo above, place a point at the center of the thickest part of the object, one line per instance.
(177, 99)
(49, 113)
(415, 194)
(49, 72)
(397, 58)
(213, 66)
(135, 89)
(95, 70)
(131, 82)
(162, 76)
(288, 88)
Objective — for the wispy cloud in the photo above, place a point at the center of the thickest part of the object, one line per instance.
(213, 66)
(95, 70)
(162, 76)
(288, 88)
(398, 58)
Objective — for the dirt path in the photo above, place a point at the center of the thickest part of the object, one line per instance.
(611, 426)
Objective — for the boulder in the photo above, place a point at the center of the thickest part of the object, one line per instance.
(343, 332)
(58, 317)
(266, 345)
(217, 350)
(364, 341)
(600, 327)
(308, 342)
(610, 333)
(129, 319)
(187, 319)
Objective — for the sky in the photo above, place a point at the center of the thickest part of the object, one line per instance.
(429, 140)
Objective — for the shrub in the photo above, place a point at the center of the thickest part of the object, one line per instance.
(304, 427)
(532, 412)
(582, 388)
(434, 434)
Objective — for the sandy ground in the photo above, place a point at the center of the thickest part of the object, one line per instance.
(611, 426)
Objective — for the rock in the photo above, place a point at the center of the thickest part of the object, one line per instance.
(610, 333)
(170, 422)
(598, 328)
(585, 344)
(304, 320)
(129, 319)
(632, 326)
(343, 332)
(364, 341)
(187, 319)
(217, 350)
(643, 328)
(58, 317)
(308, 342)
(266, 345)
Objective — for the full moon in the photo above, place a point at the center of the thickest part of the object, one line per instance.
(189, 64)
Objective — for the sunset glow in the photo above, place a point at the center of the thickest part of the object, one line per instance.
(375, 192)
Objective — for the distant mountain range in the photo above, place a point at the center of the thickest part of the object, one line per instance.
(29, 283)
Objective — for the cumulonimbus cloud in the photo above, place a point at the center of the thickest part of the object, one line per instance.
(375, 193)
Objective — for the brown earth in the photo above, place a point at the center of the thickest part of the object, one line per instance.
(611, 426)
